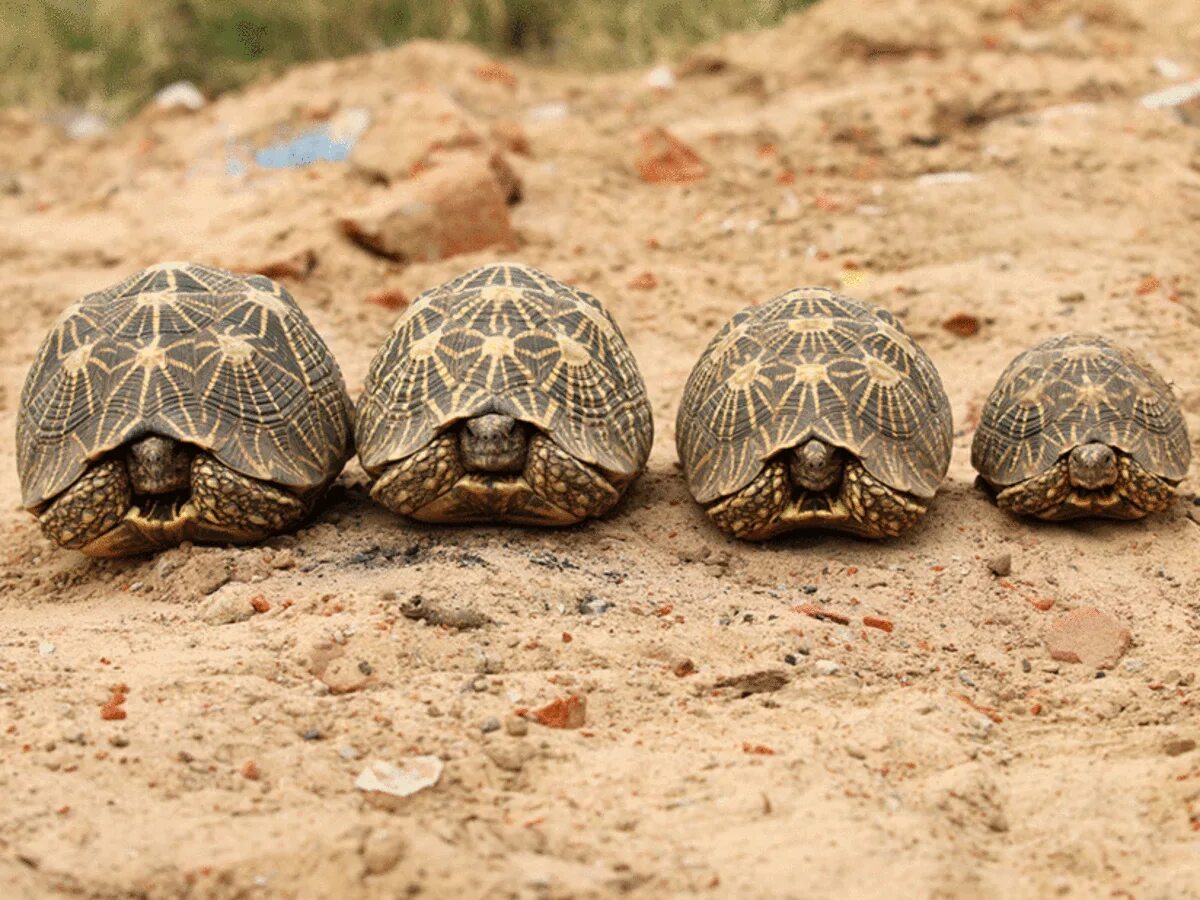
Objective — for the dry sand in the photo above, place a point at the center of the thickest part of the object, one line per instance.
(951, 757)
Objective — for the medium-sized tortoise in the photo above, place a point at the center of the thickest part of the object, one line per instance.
(503, 395)
(814, 410)
(1081, 426)
(184, 403)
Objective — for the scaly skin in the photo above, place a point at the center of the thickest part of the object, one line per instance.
(861, 504)
(1051, 495)
(93, 505)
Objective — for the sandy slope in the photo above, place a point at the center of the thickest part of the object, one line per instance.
(950, 757)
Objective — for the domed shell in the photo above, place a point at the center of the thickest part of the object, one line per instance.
(226, 362)
(813, 364)
(510, 339)
(1069, 390)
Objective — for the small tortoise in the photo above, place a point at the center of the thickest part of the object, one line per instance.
(1081, 426)
(503, 395)
(185, 403)
(814, 410)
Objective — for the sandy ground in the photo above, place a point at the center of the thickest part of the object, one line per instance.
(951, 757)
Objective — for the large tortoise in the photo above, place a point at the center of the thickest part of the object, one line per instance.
(814, 410)
(184, 403)
(1080, 426)
(503, 395)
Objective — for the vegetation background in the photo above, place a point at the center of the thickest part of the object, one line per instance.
(111, 55)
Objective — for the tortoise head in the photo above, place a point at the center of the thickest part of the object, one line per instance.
(1092, 466)
(493, 443)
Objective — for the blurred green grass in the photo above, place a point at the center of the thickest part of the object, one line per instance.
(111, 55)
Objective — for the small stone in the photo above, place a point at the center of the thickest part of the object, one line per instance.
(516, 725)
(826, 667)
(347, 752)
(510, 756)
(343, 675)
(766, 681)
(855, 752)
(570, 712)
(1087, 636)
(382, 849)
(1133, 665)
(683, 668)
(311, 734)
(1179, 746)
(965, 677)
(227, 606)
(490, 725)
(179, 96)
(664, 158)
(45, 648)
(118, 740)
(1001, 566)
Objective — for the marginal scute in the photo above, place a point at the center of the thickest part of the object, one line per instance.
(1073, 388)
(839, 370)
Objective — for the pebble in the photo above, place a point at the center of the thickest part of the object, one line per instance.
(965, 677)
(1133, 665)
(591, 605)
(490, 725)
(744, 685)
(1001, 566)
(45, 648)
(516, 725)
(826, 667)
(1179, 746)
(311, 734)
(508, 755)
(1088, 636)
(347, 752)
(382, 849)
(227, 606)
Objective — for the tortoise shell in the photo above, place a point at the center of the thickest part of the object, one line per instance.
(813, 364)
(508, 339)
(225, 362)
(1072, 389)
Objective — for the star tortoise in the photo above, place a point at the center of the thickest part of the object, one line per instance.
(814, 410)
(1081, 426)
(503, 395)
(184, 403)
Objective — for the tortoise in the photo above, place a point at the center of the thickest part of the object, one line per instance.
(503, 395)
(814, 410)
(1079, 425)
(183, 403)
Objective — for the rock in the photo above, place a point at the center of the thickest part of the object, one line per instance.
(766, 681)
(297, 265)
(45, 648)
(563, 713)
(511, 137)
(510, 756)
(344, 675)
(663, 158)
(180, 96)
(487, 726)
(383, 781)
(1087, 636)
(826, 667)
(382, 849)
(1179, 746)
(228, 605)
(962, 324)
(437, 612)
(457, 207)
(516, 726)
(388, 298)
(1001, 565)
(407, 130)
